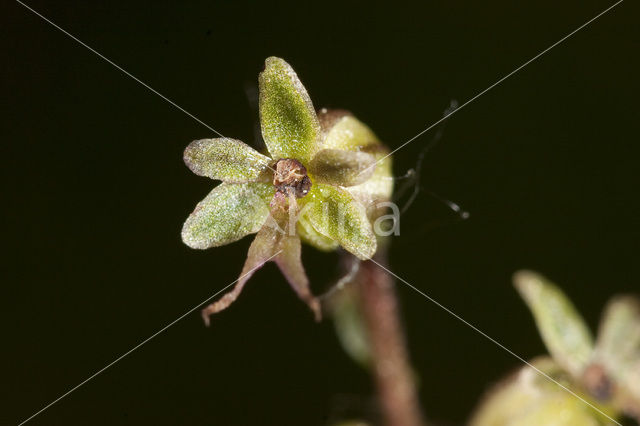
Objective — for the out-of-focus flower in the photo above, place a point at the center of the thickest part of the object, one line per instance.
(322, 173)
(605, 373)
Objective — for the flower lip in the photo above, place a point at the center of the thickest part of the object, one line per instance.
(291, 177)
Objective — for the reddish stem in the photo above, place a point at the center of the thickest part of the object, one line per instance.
(393, 375)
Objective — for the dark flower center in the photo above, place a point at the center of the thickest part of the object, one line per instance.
(291, 177)
(597, 382)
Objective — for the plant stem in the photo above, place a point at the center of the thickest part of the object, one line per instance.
(397, 393)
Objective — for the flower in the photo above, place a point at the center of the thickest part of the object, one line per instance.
(323, 172)
(606, 374)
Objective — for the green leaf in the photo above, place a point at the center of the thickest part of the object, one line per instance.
(344, 168)
(563, 330)
(228, 160)
(334, 213)
(290, 126)
(227, 214)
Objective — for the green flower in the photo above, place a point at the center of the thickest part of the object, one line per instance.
(605, 373)
(323, 172)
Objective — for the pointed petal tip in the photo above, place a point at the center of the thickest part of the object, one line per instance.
(205, 317)
(628, 300)
(526, 280)
(271, 60)
(368, 251)
(186, 154)
(524, 275)
(188, 238)
(316, 308)
(365, 246)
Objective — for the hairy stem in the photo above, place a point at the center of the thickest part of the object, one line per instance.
(392, 372)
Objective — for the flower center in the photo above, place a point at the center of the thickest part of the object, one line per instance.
(291, 177)
(597, 382)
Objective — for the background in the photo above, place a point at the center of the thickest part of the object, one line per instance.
(95, 194)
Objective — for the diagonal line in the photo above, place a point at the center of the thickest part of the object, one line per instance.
(126, 72)
(500, 81)
(122, 69)
(140, 344)
(467, 323)
(391, 153)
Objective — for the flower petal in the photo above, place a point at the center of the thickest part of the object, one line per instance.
(227, 214)
(290, 263)
(563, 330)
(340, 167)
(228, 160)
(334, 213)
(289, 123)
(618, 344)
(343, 131)
(309, 235)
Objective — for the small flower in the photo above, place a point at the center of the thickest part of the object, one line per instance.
(323, 171)
(607, 373)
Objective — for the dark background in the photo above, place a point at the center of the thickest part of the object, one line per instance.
(95, 193)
